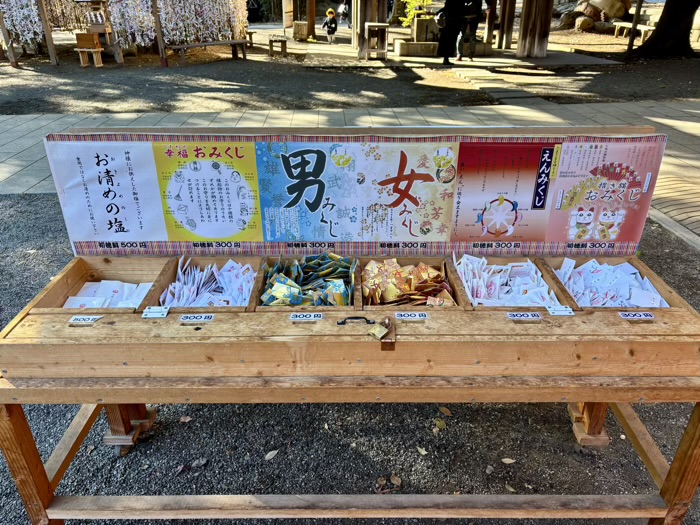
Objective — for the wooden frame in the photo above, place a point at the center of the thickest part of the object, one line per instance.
(594, 361)
(269, 360)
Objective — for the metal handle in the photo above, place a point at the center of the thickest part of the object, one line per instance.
(356, 318)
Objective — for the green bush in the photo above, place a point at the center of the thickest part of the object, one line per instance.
(412, 8)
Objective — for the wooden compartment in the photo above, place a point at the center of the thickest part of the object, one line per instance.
(83, 269)
(170, 274)
(672, 298)
(356, 299)
(442, 264)
(547, 274)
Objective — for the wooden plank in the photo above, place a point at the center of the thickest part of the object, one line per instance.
(351, 356)
(19, 448)
(70, 443)
(645, 445)
(683, 477)
(355, 506)
(351, 390)
(8, 42)
(45, 23)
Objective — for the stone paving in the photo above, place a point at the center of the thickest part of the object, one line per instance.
(24, 167)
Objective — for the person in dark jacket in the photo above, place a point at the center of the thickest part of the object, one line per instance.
(331, 25)
(453, 11)
(470, 22)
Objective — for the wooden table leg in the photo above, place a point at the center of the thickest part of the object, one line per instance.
(589, 423)
(19, 447)
(682, 481)
(125, 424)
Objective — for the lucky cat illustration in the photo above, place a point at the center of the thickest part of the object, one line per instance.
(609, 222)
(581, 223)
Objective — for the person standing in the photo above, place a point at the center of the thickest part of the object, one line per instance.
(452, 13)
(330, 24)
(472, 15)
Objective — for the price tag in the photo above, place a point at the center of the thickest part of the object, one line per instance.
(84, 320)
(637, 316)
(560, 310)
(197, 318)
(412, 316)
(305, 317)
(525, 317)
(155, 312)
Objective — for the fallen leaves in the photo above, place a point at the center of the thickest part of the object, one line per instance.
(422, 451)
(508, 461)
(440, 424)
(489, 469)
(185, 419)
(271, 454)
(509, 488)
(446, 411)
(387, 486)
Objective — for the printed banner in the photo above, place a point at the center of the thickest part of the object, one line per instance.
(173, 194)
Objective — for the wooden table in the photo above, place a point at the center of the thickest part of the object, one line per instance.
(235, 44)
(592, 361)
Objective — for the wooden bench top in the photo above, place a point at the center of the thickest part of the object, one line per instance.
(629, 24)
(207, 44)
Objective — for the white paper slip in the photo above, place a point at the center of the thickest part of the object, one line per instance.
(197, 318)
(525, 317)
(86, 302)
(560, 311)
(412, 316)
(636, 316)
(305, 317)
(84, 320)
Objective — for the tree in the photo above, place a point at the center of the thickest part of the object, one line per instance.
(671, 38)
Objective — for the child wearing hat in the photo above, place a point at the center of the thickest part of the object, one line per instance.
(330, 24)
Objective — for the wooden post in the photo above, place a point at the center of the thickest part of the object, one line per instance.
(113, 41)
(159, 34)
(19, 447)
(47, 31)
(635, 22)
(8, 42)
(119, 419)
(535, 22)
(501, 23)
(311, 19)
(509, 25)
(589, 423)
(490, 23)
(682, 480)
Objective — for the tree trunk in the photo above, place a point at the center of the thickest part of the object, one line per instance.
(671, 38)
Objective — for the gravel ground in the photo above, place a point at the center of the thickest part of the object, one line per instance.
(332, 448)
(211, 81)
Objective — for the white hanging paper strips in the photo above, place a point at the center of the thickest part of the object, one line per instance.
(109, 294)
(512, 284)
(609, 286)
(209, 287)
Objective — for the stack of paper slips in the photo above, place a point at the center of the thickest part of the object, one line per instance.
(326, 279)
(512, 284)
(388, 283)
(609, 285)
(208, 287)
(109, 294)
